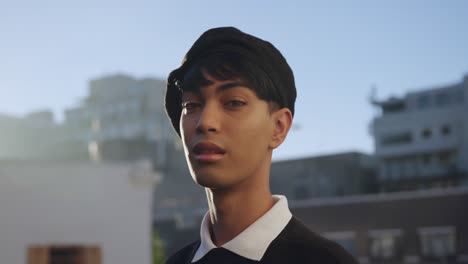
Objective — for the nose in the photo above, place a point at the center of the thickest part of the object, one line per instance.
(208, 121)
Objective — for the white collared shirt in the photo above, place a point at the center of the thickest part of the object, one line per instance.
(253, 242)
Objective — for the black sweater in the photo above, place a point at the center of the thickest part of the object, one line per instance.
(295, 244)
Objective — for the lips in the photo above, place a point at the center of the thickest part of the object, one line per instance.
(207, 152)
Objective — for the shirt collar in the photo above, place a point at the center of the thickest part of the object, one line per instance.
(253, 241)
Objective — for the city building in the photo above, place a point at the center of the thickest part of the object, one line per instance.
(421, 139)
(413, 227)
(122, 118)
(340, 174)
(76, 212)
(425, 226)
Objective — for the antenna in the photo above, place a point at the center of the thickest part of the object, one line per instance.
(373, 94)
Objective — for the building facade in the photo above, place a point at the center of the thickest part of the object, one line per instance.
(122, 118)
(421, 139)
(412, 227)
(340, 174)
(426, 226)
(75, 212)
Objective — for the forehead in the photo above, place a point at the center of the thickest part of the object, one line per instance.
(197, 80)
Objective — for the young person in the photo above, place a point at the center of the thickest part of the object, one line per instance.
(232, 103)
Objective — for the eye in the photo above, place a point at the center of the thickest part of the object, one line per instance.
(190, 105)
(235, 103)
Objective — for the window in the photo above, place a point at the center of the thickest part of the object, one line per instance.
(347, 239)
(445, 158)
(437, 241)
(398, 138)
(387, 167)
(64, 254)
(426, 159)
(424, 101)
(384, 244)
(410, 167)
(442, 99)
(445, 130)
(396, 169)
(426, 133)
(387, 170)
(383, 247)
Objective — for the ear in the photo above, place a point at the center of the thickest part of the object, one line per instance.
(282, 119)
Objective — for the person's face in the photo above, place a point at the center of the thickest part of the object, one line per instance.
(226, 132)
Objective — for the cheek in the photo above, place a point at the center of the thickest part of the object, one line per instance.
(254, 136)
(185, 127)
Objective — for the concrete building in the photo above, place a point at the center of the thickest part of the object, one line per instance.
(122, 118)
(340, 174)
(427, 226)
(75, 212)
(421, 139)
(413, 227)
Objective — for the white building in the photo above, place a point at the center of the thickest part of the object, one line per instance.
(423, 137)
(95, 214)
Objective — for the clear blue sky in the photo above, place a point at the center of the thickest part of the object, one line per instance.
(337, 49)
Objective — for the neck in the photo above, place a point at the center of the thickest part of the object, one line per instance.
(232, 211)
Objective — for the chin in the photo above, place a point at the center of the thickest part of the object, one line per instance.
(210, 181)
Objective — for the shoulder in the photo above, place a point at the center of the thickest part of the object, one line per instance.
(297, 241)
(184, 255)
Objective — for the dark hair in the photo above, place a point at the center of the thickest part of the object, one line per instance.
(226, 66)
(227, 53)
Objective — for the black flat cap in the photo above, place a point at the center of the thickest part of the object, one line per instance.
(233, 41)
